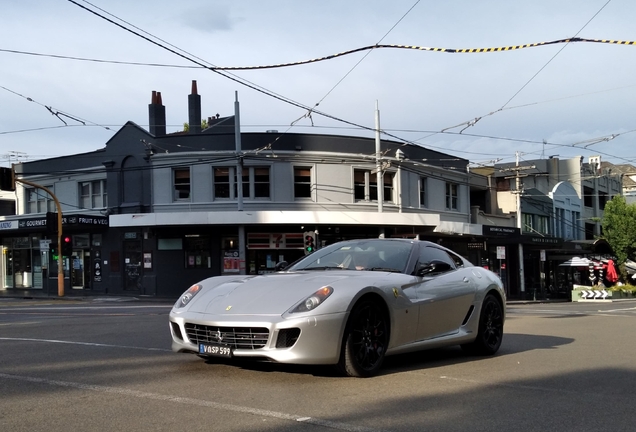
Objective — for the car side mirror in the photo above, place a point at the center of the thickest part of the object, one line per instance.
(280, 266)
(433, 267)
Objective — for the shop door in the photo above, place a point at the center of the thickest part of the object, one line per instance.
(132, 265)
(7, 267)
(77, 269)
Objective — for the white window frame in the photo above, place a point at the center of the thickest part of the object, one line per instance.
(42, 203)
(452, 196)
(177, 192)
(249, 184)
(423, 192)
(88, 201)
(371, 184)
(303, 183)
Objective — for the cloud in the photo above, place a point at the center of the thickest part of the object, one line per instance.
(209, 19)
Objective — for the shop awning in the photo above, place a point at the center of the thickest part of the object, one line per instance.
(576, 262)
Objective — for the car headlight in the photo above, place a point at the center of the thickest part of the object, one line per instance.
(313, 301)
(187, 296)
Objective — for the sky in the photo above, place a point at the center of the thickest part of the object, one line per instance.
(563, 99)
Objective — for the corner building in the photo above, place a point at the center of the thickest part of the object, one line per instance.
(153, 212)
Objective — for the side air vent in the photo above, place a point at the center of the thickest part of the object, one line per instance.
(287, 337)
(470, 312)
(176, 330)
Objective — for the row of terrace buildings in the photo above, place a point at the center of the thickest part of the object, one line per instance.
(151, 212)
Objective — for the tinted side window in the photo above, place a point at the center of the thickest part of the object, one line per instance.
(429, 254)
(459, 262)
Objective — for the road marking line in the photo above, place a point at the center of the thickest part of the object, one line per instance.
(190, 401)
(523, 387)
(83, 307)
(19, 323)
(83, 343)
(619, 310)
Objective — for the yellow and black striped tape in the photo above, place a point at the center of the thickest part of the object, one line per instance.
(422, 48)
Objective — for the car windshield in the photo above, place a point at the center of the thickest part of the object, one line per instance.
(373, 255)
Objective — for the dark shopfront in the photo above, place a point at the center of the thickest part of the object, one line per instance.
(30, 253)
(503, 259)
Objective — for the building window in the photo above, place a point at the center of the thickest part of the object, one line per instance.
(588, 196)
(39, 201)
(422, 191)
(452, 196)
(245, 175)
(181, 184)
(261, 181)
(602, 200)
(197, 251)
(387, 180)
(527, 222)
(256, 182)
(576, 224)
(302, 182)
(360, 182)
(365, 186)
(222, 182)
(543, 224)
(93, 194)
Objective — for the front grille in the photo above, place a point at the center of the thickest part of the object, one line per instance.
(235, 337)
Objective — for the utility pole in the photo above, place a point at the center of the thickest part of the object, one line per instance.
(239, 179)
(517, 169)
(378, 159)
(239, 156)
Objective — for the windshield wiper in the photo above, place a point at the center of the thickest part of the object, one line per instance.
(386, 269)
(323, 268)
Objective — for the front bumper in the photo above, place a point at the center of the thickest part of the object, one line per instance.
(319, 340)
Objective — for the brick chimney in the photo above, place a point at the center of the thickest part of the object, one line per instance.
(157, 115)
(194, 110)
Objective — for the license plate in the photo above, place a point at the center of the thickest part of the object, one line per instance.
(215, 350)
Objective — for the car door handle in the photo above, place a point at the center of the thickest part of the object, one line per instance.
(466, 279)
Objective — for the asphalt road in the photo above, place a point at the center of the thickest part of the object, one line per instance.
(102, 366)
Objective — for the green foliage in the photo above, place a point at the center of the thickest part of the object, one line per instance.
(204, 125)
(624, 288)
(619, 229)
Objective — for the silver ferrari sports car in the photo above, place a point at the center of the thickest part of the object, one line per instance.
(349, 304)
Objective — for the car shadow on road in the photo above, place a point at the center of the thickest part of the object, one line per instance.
(513, 343)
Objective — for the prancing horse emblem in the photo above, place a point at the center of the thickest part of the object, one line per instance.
(219, 336)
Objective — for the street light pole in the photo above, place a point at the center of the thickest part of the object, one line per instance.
(378, 159)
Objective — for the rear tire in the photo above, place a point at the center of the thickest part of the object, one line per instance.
(490, 333)
(365, 340)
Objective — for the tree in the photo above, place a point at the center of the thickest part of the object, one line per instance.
(204, 125)
(619, 229)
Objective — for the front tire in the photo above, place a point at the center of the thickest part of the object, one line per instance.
(490, 333)
(365, 340)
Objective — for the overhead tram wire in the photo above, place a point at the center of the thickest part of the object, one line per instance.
(332, 56)
(287, 100)
(235, 79)
(299, 105)
(567, 41)
(575, 38)
(219, 72)
(308, 113)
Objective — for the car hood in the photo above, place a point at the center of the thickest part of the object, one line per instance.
(271, 294)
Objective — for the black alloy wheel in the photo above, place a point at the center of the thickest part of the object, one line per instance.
(490, 333)
(365, 340)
